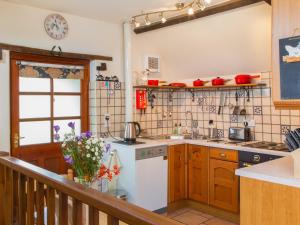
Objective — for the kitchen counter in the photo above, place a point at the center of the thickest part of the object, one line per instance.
(279, 171)
(169, 142)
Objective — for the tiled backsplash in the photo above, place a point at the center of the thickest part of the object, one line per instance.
(170, 109)
(107, 98)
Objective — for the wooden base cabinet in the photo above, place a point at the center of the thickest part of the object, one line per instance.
(204, 174)
(198, 157)
(223, 185)
(177, 172)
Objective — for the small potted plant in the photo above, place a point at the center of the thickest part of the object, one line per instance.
(83, 153)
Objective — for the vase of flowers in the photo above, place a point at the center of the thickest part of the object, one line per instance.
(83, 153)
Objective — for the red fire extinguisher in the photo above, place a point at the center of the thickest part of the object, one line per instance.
(141, 100)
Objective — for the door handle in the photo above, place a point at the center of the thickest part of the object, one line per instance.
(223, 155)
(16, 140)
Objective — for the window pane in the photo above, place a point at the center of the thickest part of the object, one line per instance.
(66, 85)
(66, 106)
(34, 106)
(35, 132)
(28, 84)
(64, 128)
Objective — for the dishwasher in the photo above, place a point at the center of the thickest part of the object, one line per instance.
(144, 176)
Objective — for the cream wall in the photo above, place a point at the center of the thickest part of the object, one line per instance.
(233, 42)
(23, 25)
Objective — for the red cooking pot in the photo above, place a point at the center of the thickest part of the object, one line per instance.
(218, 81)
(244, 78)
(153, 82)
(198, 83)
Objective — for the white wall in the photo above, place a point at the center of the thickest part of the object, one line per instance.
(233, 42)
(4, 103)
(24, 25)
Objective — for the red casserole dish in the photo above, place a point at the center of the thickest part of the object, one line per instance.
(218, 81)
(245, 78)
(178, 85)
(153, 82)
(198, 83)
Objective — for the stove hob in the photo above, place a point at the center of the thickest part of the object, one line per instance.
(129, 143)
(269, 146)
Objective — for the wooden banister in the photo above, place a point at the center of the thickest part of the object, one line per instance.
(33, 179)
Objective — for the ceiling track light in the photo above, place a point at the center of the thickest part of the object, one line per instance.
(147, 20)
(136, 24)
(191, 11)
(190, 8)
(162, 18)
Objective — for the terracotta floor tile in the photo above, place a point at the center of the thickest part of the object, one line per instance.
(190, 218)
(201, 214)
(177, 212)
(216, 221)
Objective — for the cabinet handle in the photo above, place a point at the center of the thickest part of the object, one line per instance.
(222, 155)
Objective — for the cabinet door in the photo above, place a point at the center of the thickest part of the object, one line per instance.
(223, 185)
(177, 173)
(198, 173)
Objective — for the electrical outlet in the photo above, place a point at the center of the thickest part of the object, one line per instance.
(106, 119)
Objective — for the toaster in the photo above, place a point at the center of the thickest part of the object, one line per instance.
(240, 133)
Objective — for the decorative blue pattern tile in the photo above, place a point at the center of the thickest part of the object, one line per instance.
(257, 110)
(195, 123)
(220, 133)
(212, 109)
(285, 128)
(118, 85)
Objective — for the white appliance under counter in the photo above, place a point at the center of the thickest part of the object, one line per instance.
(144, 175)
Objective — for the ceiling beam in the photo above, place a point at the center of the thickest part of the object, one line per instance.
(223, 7)
(37, 51)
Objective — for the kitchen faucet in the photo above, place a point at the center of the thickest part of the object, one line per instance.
(194, 132)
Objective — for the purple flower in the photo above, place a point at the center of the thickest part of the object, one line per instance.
(88, 134)
(68, 159)
(78, 138)
(107, 147)
(71, 125)
(56, 137)
(56, 128)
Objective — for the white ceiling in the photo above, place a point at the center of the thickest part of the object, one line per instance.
(115, 11)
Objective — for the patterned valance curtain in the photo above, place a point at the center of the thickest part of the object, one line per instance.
(39, 70)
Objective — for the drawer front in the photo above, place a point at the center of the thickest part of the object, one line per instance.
(224, 154)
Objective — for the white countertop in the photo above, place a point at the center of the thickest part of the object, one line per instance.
(168, 142)
(279, 171)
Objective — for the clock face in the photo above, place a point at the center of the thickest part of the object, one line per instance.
(56, 26)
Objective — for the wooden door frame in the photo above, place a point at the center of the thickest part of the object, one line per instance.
(14, 88)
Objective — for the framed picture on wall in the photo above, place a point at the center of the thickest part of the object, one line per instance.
(289, 49)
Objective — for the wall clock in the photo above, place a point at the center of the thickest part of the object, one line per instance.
(56, 26)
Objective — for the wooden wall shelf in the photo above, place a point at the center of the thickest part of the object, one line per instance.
(200, 88)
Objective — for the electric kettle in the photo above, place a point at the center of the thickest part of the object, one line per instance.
(132, 130)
